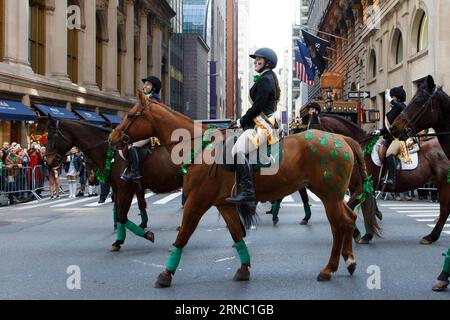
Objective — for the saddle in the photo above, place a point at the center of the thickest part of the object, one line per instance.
(259, 159)
(379, 156)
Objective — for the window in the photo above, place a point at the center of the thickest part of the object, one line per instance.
(373, 64)
(2, 29)
(99, 56)
(36, 41)
(399, 49)
(422, 43)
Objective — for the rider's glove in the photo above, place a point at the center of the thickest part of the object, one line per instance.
(238, 123)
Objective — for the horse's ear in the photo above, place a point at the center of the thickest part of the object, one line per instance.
(142, 97)
(430, 83)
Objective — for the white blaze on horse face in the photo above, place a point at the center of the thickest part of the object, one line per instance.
(181, 151)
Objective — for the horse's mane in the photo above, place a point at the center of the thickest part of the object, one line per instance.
(350, 125)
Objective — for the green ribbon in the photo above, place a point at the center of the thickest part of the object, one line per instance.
(242, 250)
(256, 78)
(135, 229)
(204, 144)
(103, 175)
(447, 261)
(369, 147)
(144, 216)
(174, 259)
(448, 175)
(367, 189)
(121, 232)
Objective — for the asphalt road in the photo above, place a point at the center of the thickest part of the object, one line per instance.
(40, 241)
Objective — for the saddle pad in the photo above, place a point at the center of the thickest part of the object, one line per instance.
(405, 166)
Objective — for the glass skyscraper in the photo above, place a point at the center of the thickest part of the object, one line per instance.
(197, 18)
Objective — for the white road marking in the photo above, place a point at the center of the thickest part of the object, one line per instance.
(288, 199)
(433, 225)
(96, 204)
(414, 208)
(148, 195)
(313, 196)
(418, 211)
(168, 198)
(225, 259)
(28, 207)
(428, 220)
(292, 205)
(71, 203)
(410, 205)
(447, 232)
(422, 215)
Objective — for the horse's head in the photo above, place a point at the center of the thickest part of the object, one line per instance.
(135, 126)
(421, 113)
(57, 145)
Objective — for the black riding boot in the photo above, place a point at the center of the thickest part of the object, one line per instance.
(391, 181)
(245, 180)
(132, 173)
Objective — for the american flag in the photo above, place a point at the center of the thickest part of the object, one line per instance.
(300, 71)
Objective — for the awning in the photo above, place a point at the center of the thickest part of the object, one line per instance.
(90, 116)
(56, 112)
(112, 118)
(15, 110)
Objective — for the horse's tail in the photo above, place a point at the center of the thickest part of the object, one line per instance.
(248, 215)
(366, 197)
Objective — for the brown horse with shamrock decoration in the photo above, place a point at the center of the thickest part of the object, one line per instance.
(328, 158)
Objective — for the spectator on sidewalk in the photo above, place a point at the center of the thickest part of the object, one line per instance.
(72, 168)
(14, 165)
(83, 175)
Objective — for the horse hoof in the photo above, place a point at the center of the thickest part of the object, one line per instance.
(242, 275)
(426, 241)
(304, 222)
(365, 239)
(114, 248)
(440, 285)
(150, 236)
(163, 281)
(351, 268)
(275, 221)
(323, 277)
(357, 238)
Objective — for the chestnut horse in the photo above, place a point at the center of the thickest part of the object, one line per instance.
(93, 141)
(328, 158)
(432, 167)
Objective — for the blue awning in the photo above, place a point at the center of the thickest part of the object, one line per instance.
(14, 110)
(90, 116)
(56, 112)
(112, 118)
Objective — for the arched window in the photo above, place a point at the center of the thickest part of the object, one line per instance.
(422, 41)
(72, 50)
(397, 47)
(2, 29)
(36, 40)
(99, 54)
(373, 64)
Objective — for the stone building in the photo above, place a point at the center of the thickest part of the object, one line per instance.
(80, 54)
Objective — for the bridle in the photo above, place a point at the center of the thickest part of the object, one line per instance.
(131, 119)
(59, 157)
(411, 122)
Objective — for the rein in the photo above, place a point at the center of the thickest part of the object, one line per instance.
(411, 123)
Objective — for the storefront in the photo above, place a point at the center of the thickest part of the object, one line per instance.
(91, 117)
(15, 121)
(113, 120)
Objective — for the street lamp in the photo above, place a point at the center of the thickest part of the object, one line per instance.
(329, 101)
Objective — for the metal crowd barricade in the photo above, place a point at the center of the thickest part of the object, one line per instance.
(38, 181)
(17, 183)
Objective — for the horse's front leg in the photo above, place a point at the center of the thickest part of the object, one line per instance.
(142, 204)
(192, 214)
(444, 200)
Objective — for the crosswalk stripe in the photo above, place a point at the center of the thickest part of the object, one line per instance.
(288, 199)
(71, 203)
(418, 211)
(447, 232)
(410, 205)
(168, 198)
(41, 204)
(148, 195)
(433, 225)
(423, 215)
(96, 204)
(313, 196)
(414, 208)
(427, 220)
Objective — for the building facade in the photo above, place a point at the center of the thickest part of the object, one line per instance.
(232, 80)
(81, 54)
(388, 43)
(243, 56)
(176, 58)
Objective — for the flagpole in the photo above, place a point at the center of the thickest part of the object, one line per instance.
(326, 33)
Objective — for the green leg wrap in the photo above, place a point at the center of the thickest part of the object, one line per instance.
(174, 259)
(115, 215)
(307, 208)
(447, 261)
(367, 230)
(121, 232)
(275, 208)
(242, 250)
(144, 216)
(135, 229)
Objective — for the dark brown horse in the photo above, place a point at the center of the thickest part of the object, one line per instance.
(432, 167)
(328, 157)
(429, 108)
(157, 171)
